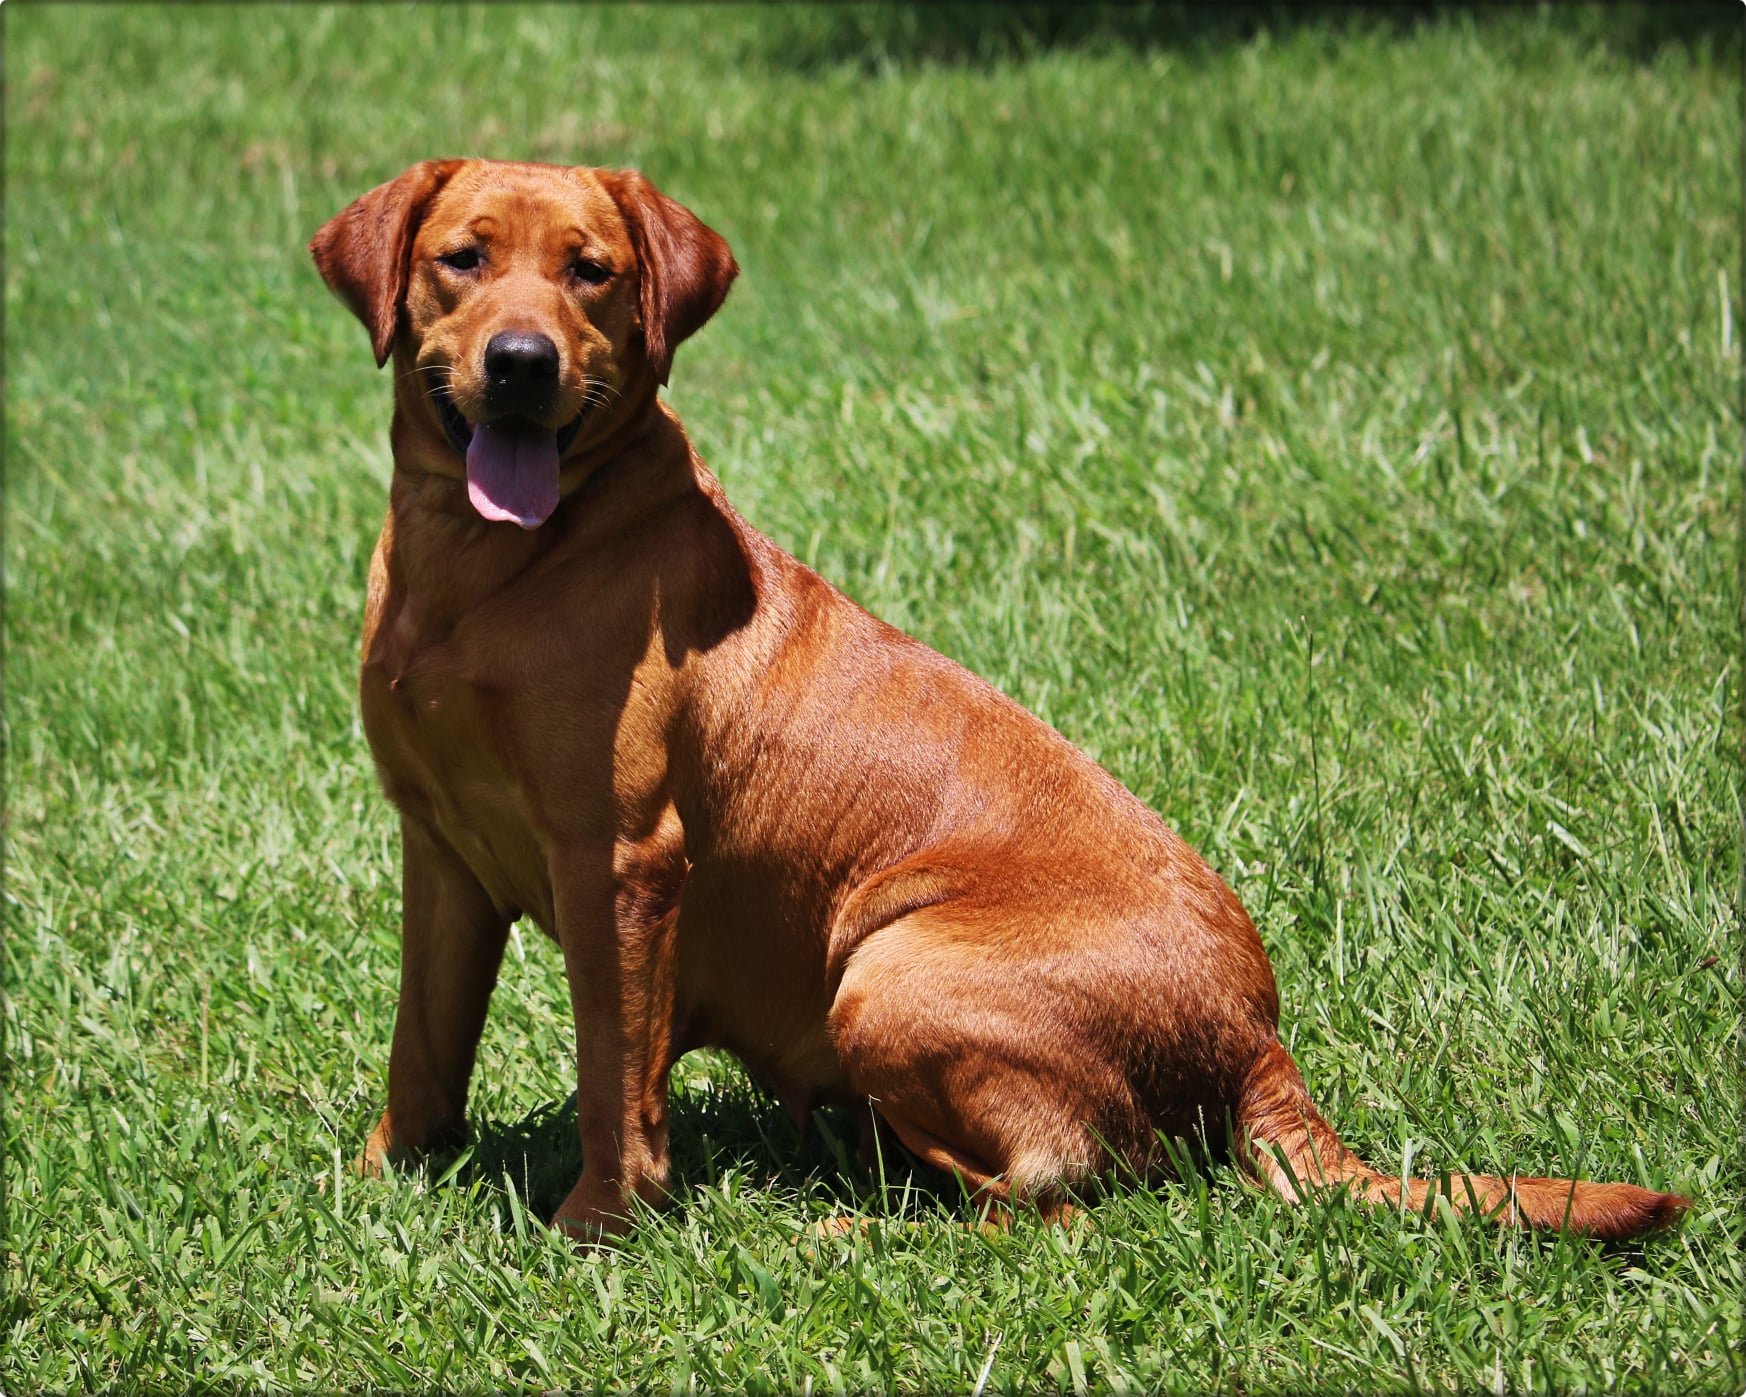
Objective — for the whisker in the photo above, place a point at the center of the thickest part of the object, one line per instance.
(598, 391)
(447, 369)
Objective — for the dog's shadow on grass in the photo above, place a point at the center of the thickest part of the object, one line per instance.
(726, 1131)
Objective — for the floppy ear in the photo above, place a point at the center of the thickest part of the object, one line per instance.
(362, 251)
(685, 266)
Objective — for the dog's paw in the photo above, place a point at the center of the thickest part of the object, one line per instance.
(593, 1216)
(381, 1153)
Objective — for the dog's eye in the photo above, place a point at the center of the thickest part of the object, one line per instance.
(591, 272)
(463, 259)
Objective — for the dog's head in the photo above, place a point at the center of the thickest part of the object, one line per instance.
(524, 301)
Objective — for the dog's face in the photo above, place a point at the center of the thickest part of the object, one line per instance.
(524, 302)
(521, 310)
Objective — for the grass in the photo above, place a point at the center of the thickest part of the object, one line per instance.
(1339, 437)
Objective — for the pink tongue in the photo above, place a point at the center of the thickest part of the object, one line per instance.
(512, 473)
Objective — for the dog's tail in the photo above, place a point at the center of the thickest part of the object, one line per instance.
(1287, 1145)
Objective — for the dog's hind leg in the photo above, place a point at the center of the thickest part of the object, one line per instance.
(972, 1079)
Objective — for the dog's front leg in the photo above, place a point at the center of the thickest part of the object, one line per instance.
(619, 955)
(452, 939)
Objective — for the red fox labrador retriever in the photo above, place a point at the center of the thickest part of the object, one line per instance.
(752, 815)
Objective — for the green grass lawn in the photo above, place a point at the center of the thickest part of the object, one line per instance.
(1338, 437)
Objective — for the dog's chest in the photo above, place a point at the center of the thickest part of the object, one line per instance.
(430, 723)
(520, 745)
(444, 730)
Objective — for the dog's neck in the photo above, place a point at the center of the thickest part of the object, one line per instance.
(439, 551)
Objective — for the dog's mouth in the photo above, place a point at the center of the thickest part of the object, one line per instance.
(512, 463)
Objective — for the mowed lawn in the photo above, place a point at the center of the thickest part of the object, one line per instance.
(1338, 436)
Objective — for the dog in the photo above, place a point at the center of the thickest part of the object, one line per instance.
(751, 815)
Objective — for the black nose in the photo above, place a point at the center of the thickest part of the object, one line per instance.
(521, 370)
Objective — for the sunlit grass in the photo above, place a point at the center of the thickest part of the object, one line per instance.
(1337, 437)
